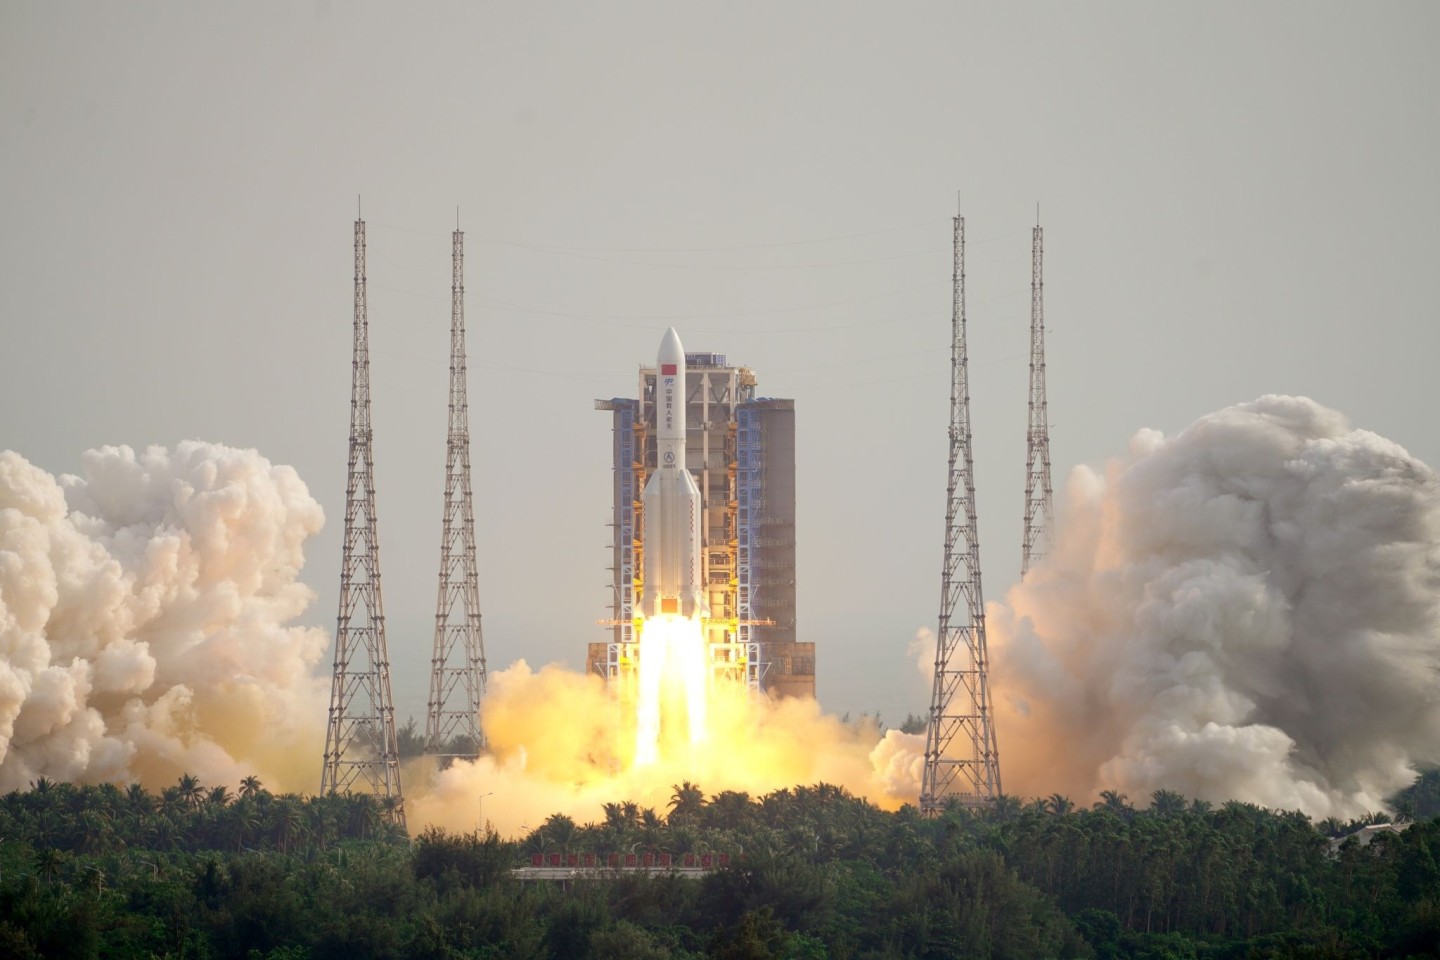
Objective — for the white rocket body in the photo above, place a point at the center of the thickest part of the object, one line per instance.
(672, 579)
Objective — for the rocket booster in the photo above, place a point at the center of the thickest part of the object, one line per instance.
(671, 500)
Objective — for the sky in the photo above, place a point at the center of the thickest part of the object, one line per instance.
(1238, 199)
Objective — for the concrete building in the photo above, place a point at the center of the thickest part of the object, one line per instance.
(741, 451)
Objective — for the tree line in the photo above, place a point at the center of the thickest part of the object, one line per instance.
(197, 872)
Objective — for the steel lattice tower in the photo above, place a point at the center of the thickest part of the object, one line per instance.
(1039, 515)
(457, 669)
(360, 745)
(960, 700)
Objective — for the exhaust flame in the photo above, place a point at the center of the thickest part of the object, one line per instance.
(145, 632)
(672, 686)
(1247, 610)
(562, 743)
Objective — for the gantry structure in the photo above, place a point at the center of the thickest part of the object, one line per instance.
(961, 761)
(740, 449)
(361, 753)
(1039, 516)
(457, 667)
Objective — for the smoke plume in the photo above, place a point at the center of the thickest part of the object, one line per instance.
(1247, 610)
(143, 620)
(561, 743)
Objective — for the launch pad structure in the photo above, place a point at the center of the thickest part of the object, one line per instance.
(740, 449)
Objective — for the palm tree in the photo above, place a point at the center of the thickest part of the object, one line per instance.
(244, 820)
(190, 790)
(171, 802)
(47, 861)
(1114, 802)
(218, 797)
(1167, 803)
(1059, 804)
(390, 813)
(1005, 808)
(250, 786)
(561, 831)
(289, 824)
(686, 803)
(365, 816)
(319, 821)
(729, 809)
(139, 799)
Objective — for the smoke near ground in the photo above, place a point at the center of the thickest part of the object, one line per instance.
(1247, 610)
(562, 744)
(144, 611)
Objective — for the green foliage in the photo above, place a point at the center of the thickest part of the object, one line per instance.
(1420, 800)
(409, 740)
(914, 723)
(197, 871)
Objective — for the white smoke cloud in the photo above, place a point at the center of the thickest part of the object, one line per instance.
(1247, 610)
(143, 620)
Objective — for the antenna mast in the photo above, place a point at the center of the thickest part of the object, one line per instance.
(960, 700)
(360, 743)
(457, 668)
(1039, 513)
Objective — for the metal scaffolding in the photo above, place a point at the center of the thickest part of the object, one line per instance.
(960, 698)
(750, 503)
(729, 433)
(457, 667)
(619, 655)
(360, 743)
(1039, 515)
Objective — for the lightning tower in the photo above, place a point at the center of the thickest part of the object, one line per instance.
(360, 745)
(1039, 517)
(457, 668)
(960, 701)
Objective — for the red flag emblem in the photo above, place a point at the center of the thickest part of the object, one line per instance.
(668, 369)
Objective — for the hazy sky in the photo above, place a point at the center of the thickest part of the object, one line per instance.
(1237, 199)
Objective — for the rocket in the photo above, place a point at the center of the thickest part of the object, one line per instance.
(672, 583)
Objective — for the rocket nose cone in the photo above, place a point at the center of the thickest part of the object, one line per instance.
(670, 349)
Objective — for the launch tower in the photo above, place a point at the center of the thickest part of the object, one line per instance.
(457, 667)
(1039, 518)
(360, 745)
(960, 700)
(740, 449)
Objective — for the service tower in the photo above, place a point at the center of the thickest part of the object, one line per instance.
(740, 451)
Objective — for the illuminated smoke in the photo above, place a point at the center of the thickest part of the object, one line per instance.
(562, 744)
(143, 620)
(145, 632)
(1247, 610)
